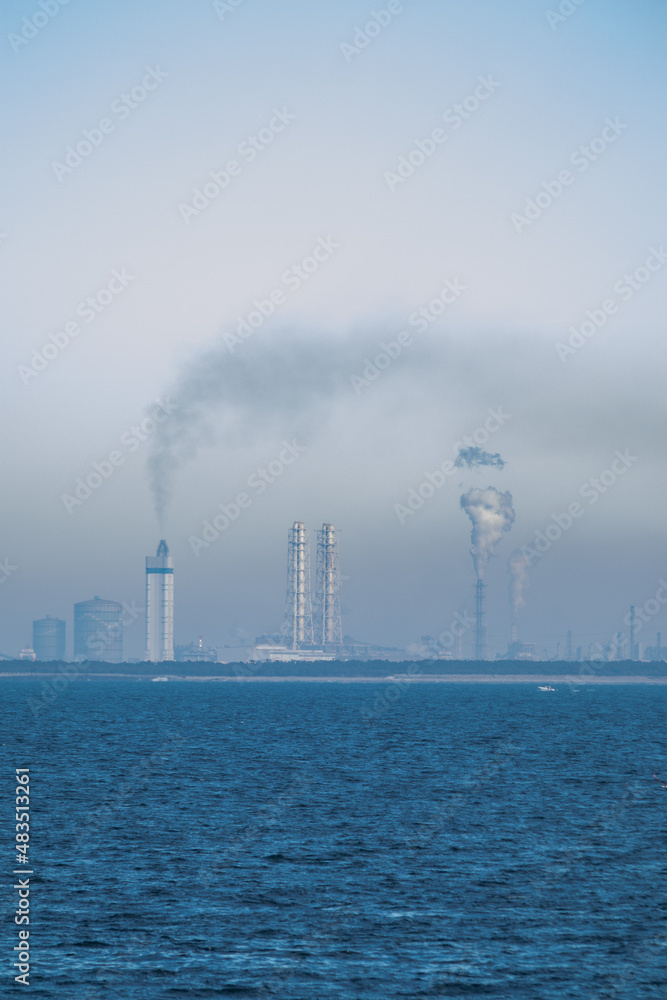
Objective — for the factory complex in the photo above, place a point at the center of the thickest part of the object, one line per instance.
(312, 626)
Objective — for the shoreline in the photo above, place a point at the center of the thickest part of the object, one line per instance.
(553, 679)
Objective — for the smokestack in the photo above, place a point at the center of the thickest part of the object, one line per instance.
(480, 623)
(160, 605)
(568, 654)
(298, 624)
(329, 626)
(513, 638)
(491, 514)
(620, 646)
(632, 632)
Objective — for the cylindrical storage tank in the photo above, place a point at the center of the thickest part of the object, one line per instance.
(48, 638)
(98, 630)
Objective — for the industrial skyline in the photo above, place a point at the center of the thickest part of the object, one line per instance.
(312, 623)
(333, 397)
(322, 330)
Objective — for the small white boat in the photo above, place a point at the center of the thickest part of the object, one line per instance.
(159, 679)
(545, 687)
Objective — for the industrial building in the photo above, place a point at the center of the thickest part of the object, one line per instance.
(160, 605)
(328, 623)
(298, 622)
(312, 624)
(48, 638)
(280, 654)
(307, 634)
(98, 630)
(196, 652)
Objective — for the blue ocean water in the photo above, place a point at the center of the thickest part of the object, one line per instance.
(311, 841)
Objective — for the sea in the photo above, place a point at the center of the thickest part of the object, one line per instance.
(336, 841)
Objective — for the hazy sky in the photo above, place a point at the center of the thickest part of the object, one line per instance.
(325, 140)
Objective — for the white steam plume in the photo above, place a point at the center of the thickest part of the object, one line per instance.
(492, 514)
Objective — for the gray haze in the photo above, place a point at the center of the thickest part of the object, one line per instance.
(519, 580)
(364, 453)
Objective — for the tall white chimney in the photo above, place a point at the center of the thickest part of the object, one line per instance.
(160, 605)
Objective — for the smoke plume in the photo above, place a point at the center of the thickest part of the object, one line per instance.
(492, 514)
(517, 567)
(272, 387)
(474, 457)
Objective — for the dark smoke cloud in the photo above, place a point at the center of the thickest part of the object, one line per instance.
(272, 387)
(474, 457)
(288, 382)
